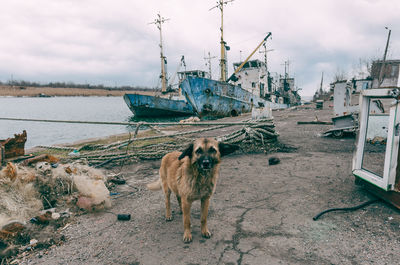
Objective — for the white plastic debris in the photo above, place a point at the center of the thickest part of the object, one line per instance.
(74, 153)
(33, 242)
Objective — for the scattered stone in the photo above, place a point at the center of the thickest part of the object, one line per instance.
(273, 161)
(84, 203)
(33, 242)
(55, 216)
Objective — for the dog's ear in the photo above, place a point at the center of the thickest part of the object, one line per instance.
(226, 149)
(187, 152)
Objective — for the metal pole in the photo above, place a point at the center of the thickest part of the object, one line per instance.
(209, 63)
(222, 64)
(164, 82)
(223, 61)
(384, 59)
(322, 81)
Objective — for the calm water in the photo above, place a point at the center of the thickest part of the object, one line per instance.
(62, 108)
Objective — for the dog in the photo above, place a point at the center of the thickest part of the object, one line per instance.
(192, 175)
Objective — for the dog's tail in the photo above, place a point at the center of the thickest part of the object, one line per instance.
(156, 185)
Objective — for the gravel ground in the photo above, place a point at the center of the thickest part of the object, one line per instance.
(260, 214)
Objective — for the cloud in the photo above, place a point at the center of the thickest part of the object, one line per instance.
(112, 42)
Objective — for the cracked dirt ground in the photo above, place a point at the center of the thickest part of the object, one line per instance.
(260, 214)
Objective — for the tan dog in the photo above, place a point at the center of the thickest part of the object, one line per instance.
(192, 175)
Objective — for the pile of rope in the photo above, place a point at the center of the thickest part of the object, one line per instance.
(261, 133)
(258, 135)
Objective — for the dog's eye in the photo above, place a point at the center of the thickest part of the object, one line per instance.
(199, 151)
(212, 150)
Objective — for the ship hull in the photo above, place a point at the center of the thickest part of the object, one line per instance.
(151, 106)
(219, 99)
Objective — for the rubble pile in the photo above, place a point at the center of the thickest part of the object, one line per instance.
(35, 200)
(19, 199)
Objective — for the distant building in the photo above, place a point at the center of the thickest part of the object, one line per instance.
(389, 76)
(361, 84)
(346, 96)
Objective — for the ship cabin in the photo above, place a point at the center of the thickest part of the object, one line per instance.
(254, 78)
(286, 87)
(194, 73)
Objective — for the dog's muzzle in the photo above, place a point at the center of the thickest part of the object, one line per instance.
(206, 164)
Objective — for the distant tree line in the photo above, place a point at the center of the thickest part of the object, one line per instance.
(23, 83)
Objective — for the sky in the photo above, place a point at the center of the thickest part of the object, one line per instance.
(113, 43)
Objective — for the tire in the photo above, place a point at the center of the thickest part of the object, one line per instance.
(338, 133)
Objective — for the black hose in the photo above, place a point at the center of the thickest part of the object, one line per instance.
(315, 218)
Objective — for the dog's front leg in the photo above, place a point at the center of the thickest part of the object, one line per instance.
(205, 202)
(168, 215)
(186, 205)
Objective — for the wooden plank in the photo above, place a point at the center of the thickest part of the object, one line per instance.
(392, 197)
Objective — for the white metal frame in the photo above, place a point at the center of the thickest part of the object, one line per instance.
(386, 181)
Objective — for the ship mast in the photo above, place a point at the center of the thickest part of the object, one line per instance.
(208, 62)
(265, 51)
(164, 83)
(222, 64)
(286, 63)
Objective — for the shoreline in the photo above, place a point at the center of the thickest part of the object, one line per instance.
(21, 91)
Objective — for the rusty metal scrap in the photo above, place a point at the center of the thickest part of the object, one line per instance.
(14, 147)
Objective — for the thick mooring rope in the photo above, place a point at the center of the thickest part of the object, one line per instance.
(259, 134)
(256, 132)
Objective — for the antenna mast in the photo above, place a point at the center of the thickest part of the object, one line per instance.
(380, 80)
(208, 62)
(164, 83)
(265, 51)
(286, 64)
(322, 81)
(222, 64)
